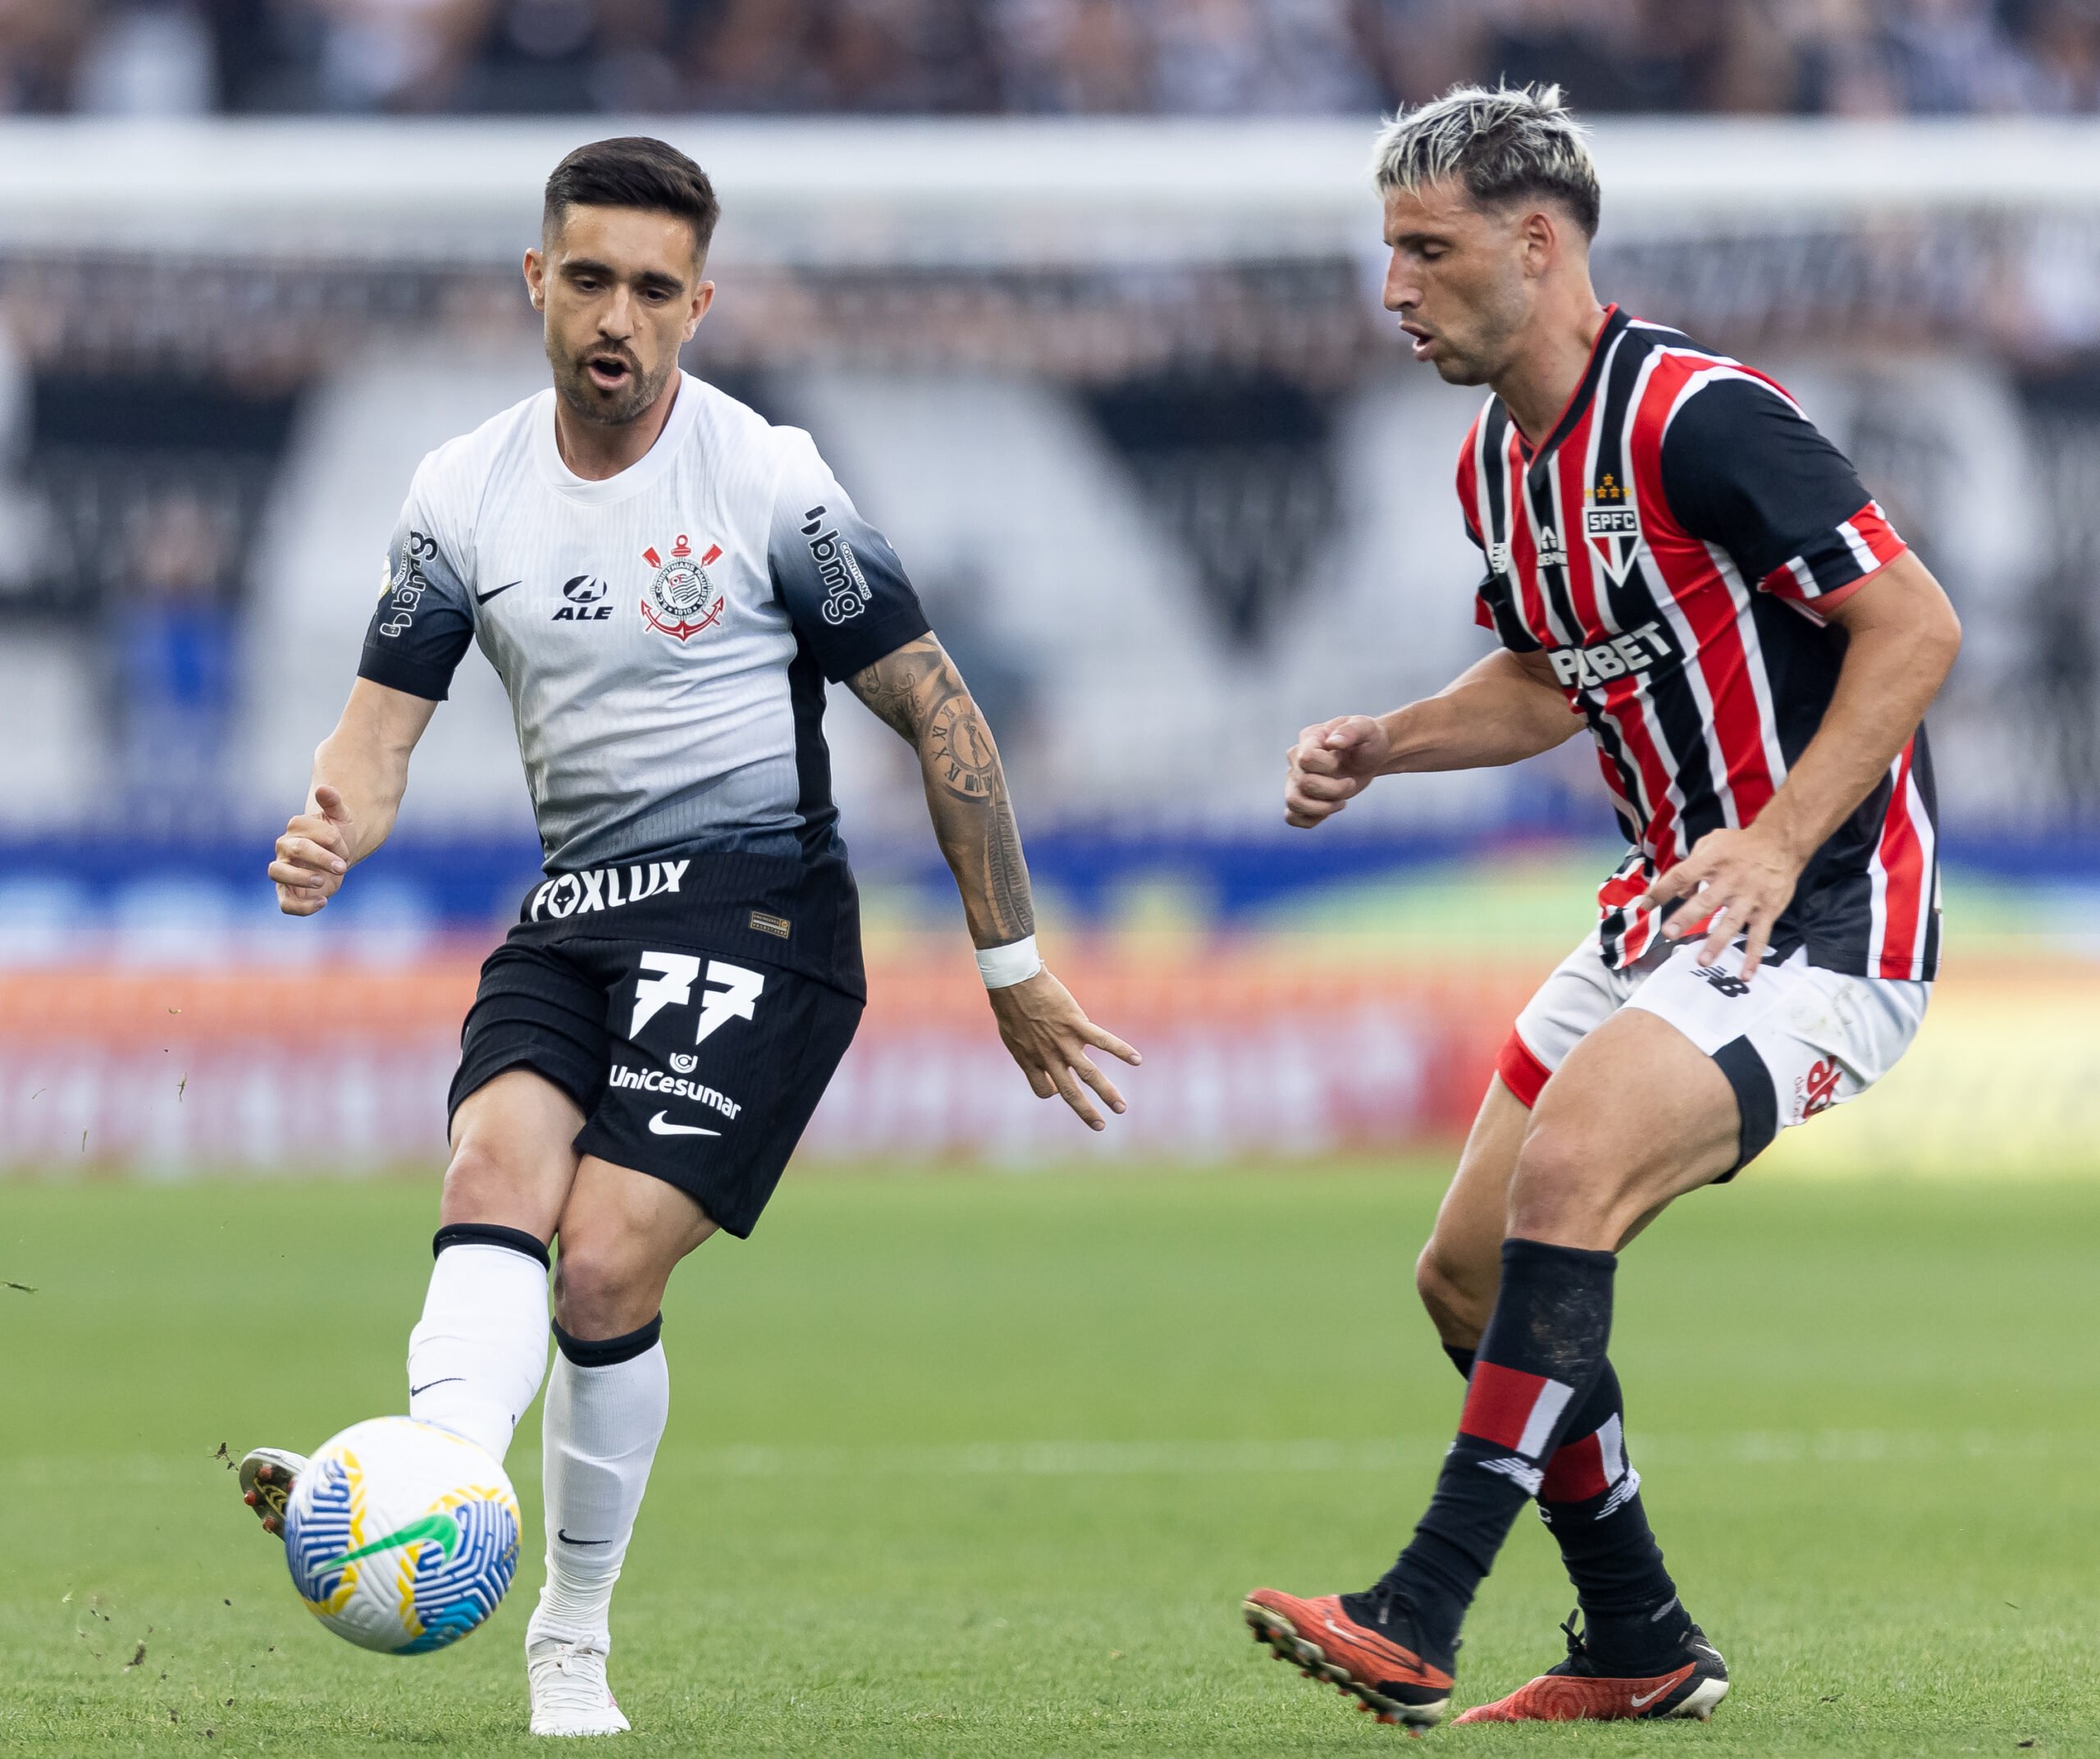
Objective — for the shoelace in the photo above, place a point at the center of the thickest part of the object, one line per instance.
(572, 1677)
(1567, 1627)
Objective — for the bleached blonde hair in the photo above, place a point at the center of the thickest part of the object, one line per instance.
(1504, 145)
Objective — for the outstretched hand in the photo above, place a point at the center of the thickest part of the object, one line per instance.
(1330, 765)
(1738, 881)
(1048, 1034)
(313, 855)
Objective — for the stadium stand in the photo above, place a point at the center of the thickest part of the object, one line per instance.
(1845, 58)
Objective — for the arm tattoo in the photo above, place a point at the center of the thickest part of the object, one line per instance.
(918, 690)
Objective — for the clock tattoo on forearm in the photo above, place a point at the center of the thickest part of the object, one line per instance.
(918, 690)
(960, 752)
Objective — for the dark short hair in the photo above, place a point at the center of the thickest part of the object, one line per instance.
(634, 171)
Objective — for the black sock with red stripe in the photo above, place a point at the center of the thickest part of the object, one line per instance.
(1590, 1498)
(1541, 1354)
(1633, 1624)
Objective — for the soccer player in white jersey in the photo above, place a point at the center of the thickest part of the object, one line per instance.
(664, 582)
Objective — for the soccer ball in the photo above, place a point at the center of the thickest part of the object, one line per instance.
(400, 1536)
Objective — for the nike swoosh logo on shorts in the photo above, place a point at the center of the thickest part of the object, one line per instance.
(564, 1533)
(482, 598)
(427, 1386)
(658, 1127)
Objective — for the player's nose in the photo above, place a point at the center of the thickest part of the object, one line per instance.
(1402, 295)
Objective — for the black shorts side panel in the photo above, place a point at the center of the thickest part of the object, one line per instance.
(714, 1068)
(1757, 1102)
(536, 1009)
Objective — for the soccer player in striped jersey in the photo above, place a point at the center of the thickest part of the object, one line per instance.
(1677, 561)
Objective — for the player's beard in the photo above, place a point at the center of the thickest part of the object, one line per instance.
(1499, 318)
(588, 403)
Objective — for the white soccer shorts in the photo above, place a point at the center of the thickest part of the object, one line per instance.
(1794, 1041)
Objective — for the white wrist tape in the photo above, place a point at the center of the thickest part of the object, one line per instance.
(1003, 967)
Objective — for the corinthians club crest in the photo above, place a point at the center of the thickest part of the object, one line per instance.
(1612, 527)
(682, 600)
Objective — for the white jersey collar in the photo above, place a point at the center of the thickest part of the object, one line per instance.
(678, 428)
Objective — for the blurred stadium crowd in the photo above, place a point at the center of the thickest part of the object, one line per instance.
(1848, 57)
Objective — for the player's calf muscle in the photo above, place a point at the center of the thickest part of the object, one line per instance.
(1460, 1269)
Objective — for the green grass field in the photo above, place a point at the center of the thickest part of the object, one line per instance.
(981, 1466)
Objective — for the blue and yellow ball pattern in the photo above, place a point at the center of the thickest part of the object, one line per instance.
(402, 1537)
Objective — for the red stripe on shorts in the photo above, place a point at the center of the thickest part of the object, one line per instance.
(1521, 1071)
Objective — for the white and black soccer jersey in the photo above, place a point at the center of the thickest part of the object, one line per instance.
(664, 636)
(1672, 547)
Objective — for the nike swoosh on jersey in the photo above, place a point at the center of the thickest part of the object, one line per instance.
(658, 1127)
(482, 598)
(445, 1382)
(563, 1532)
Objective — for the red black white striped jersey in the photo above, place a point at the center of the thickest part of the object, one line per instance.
(1672, 547)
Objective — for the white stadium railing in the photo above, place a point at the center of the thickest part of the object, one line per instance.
(830, 192)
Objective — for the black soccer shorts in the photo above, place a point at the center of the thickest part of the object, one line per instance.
(699, 1069)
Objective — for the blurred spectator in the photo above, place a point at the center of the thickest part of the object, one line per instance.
(151, 57)
(172, 638)
(1955, 57)
(40, 42)
(2061, 38)
(1238, 57)
(1078, 56)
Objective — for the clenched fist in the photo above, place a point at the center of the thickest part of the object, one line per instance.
(312, 855)
(1332, 764)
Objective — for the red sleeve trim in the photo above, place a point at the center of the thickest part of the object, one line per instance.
(1837, 562)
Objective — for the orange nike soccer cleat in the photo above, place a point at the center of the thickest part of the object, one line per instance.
(1577, 1691)
(1370, 1661)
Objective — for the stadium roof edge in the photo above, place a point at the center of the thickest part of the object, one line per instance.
(947, 191)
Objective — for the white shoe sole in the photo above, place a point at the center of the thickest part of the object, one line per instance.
(269, 1500)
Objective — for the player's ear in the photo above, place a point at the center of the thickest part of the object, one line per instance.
(703, 296)
(536, 279)
(1540, 234)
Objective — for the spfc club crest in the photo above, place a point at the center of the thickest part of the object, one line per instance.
(682, 599)
(1612, 527)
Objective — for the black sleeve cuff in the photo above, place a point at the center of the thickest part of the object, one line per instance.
(876, 638)
(397, 672)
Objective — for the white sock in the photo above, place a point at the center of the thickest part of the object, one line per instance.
(479, 1353)
(599, 1428)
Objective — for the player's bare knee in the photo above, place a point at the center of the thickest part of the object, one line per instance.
(601, 1293)
(1566, 1188)
(481, 1186)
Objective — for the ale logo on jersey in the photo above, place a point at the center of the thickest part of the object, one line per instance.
(682, 599)
(1612, 527)
(583, 592)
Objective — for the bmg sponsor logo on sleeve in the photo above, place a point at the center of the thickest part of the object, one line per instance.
(845, 593)
(408, 583)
